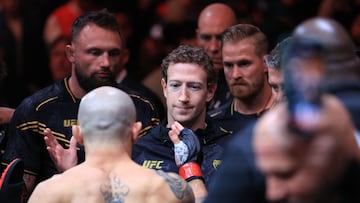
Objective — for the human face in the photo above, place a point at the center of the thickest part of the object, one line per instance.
(97, 57)
(276, 82)
(296, 169)
(186, 94)
(299, 175)
(245, 72)
(209, 37)
(60, 67)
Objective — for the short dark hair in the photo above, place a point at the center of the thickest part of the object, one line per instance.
(193, 55)
(102, 18)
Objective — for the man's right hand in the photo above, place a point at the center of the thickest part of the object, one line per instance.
(63, 158)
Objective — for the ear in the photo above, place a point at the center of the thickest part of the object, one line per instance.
(164, 86)
(76, 131)
(264, 63)
(69, 50)
(135, 130)
(211, 91)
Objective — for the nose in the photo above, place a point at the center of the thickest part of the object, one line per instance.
(214, 45)
(184, 96)
(236, 72)
(105, 60)
(276, 191)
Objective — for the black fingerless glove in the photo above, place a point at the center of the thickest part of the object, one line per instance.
(190, 169)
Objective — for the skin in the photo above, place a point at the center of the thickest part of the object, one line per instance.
(296, 168)
(246, 76)
(276, 82)
(186, 94)
(108, 174)
(211, 23)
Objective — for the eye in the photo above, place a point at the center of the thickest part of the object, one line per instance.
(228, 65)
(275, 87)
(174, 85)
(195, 87)
(244, 63)
(115, 52)
(95, 52)
(205, 37)
(218, 37)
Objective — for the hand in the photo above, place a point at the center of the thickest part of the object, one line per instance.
(186, 144)
(6, 114)
(63, 158)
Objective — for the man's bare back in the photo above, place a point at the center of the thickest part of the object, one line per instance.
(124, 182)
(108, 130)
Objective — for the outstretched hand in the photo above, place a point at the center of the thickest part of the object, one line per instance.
(63, 158)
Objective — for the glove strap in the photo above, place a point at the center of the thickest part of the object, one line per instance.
(190, 171)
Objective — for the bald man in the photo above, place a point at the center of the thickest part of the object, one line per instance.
(322, 168)
(212, 21)
(107, 129)
(343, 72)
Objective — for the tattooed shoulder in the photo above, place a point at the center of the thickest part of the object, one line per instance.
(178, 186)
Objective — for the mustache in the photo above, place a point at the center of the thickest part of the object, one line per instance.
(238, 82)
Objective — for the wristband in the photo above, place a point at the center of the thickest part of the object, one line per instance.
(190, 170)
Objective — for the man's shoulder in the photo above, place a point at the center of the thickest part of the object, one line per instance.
(222, 111)
(51, 93)
(159, 132)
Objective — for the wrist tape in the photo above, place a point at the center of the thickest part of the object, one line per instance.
(190, 171)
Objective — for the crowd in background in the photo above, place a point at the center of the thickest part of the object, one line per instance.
(152, 28)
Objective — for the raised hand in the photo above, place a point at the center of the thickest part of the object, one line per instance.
(63, 158)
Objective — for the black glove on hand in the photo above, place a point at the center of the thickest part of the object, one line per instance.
(192, 143)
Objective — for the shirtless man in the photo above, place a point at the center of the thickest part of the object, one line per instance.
(107, 129)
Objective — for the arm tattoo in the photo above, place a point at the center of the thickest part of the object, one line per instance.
(114, 191)
(178, 186)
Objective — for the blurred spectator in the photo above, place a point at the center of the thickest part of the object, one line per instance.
(11, 50)
(355, 30)
(321, 168)
(342, 63)
(58, 23)
(59, 66)
(275, 75)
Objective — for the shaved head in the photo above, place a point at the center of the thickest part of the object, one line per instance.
(299, 168)
(212, 21)
(330, 34)
(342, 63)
(217, 14)
(105, 114)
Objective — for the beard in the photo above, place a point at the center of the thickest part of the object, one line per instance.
(92, 82)
(246, 91)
